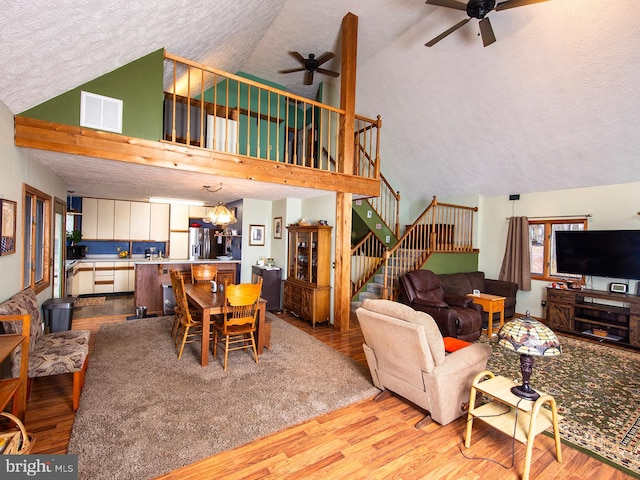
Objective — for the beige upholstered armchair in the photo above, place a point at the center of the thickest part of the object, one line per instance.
(406, 355)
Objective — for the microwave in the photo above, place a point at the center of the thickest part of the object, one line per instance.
(75, 252)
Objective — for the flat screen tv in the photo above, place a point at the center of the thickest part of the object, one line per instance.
(599, 253)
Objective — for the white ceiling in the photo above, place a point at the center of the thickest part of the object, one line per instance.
(553, 104)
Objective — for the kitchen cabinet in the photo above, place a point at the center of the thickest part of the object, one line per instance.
(103, 277)
(307, 290)
(83, 279)
(124, 277)
(179, 245)
(122, 219)
(159, 222)
(140, 221)
(179, 217)
(105, 219)
(198, 212)
(89, 218)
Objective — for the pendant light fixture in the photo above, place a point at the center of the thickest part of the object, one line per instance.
(220, 214)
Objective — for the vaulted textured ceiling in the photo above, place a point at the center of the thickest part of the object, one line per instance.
(553, 104)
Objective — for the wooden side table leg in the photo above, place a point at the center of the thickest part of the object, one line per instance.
(556, 430)
(490, 320)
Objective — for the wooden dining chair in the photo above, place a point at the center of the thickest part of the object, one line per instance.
(189, 328)
(236, 328)
(203, 272)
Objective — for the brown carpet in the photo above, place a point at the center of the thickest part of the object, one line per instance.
(89, 301)
(143, 412)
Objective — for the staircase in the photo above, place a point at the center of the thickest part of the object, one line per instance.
(439, 228)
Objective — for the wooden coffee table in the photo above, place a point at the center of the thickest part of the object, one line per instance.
(490, 304)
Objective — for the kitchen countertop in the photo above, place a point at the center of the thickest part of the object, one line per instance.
(141, 260)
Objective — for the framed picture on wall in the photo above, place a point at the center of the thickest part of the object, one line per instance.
(277, 227)
(7, 227)
(256, 235)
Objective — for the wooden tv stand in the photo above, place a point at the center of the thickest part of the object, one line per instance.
(605, 316)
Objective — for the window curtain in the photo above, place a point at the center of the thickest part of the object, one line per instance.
(516, 265)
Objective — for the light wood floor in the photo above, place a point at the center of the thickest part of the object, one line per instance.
(372, 440)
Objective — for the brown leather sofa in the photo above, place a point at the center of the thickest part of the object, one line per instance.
(456, 315)
(464, 283)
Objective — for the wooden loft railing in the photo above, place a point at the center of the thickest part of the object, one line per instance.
(440, 228)
(212, 109)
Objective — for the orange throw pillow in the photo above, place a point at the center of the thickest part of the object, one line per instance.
(452, 344)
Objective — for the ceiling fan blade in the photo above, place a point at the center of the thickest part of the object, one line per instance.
(488, 37)
(431, 43)
(328, 72)
(308, 77)
(516, 3)
(297, 56)
(448, 3)
(325, 58)
(291, 70)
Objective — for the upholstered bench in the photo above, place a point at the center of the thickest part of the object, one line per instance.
(50, 354)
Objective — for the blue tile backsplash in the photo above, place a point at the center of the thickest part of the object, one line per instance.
(97, 247)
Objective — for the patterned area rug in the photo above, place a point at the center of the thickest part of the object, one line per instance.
(89, 301)
(597, 391)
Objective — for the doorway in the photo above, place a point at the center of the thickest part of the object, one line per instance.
(59, 248)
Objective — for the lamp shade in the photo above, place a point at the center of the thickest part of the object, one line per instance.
(221, 215)
(528, 336)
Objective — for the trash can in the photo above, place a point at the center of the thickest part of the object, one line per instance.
(168, 299)
(58, 313)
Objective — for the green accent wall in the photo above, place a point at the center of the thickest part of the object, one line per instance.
(452, 262)
(361, 211)
(138, 84)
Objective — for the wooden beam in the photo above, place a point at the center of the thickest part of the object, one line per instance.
(32, 133)
(342, 275)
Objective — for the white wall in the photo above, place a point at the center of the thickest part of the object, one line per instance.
(17, 168)
(611, 207)
(255, 212)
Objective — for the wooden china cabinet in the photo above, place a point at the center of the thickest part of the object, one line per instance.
(307, 291)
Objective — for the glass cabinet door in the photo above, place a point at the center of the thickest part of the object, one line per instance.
(303, 260)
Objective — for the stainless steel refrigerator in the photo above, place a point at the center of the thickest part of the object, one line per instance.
(203, 244)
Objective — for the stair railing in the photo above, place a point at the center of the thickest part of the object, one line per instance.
(440, 228)
(387, 204)
(366, 258)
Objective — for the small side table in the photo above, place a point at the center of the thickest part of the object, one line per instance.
(490, 304)
(506, 407)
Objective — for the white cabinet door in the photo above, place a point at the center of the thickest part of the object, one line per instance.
(159, 222)
(179, 245)
(140, 217)
(105, 219)
(198, 212)
(179, 217)
(122, 218)
(121, 278)
(84, 278)
(89, 218)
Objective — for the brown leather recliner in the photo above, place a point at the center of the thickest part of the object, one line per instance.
(456, 315)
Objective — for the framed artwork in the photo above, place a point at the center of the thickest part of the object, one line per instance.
(8, 227)
(277, 227)
(256, 235)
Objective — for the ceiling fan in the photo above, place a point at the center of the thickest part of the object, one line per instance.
(477, 9)
(311, 65)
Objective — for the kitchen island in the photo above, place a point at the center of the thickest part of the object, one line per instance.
(151, 275)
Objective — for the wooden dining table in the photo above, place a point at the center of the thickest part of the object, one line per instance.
(208, 303)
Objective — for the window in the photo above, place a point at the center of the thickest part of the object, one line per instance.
(36, 271)
(543, 246)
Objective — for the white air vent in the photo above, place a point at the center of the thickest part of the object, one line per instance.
(103, 113)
